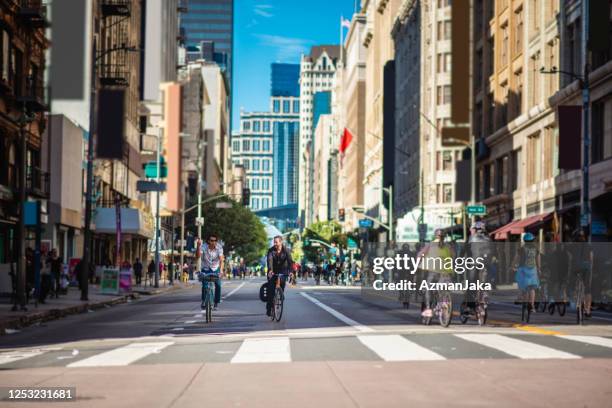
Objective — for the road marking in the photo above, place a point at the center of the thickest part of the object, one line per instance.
(264, 350)
(595, 340)
(356, 325)
(122, 356)
(11, 356)
(394, 347)
(538, 330)
(514, 347)
(234, 291)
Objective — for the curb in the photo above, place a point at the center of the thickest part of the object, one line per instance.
(54, 314)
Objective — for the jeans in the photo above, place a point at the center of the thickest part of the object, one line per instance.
(272, 288)
(217, 286)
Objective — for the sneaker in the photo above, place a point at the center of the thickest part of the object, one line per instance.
(215, 307)
(427, 313)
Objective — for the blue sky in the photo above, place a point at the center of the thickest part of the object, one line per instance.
(267, 31)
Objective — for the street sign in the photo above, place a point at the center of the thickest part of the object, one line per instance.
(151, 169)
(476, 209)
(223, 205)
(365, 223)
(144, 186)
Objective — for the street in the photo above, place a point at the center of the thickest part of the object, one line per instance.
(332, 348)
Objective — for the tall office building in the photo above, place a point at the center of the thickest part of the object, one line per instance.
(267, 145)
(317, 74)
(208, 27)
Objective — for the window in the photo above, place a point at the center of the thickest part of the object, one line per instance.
(236, 147)
(518, 93)
(535, 17)
(286, 107)
(12, 166)
(478, 69)
(444, 193)
(444, 30)
(256, 145)
(548, 151)
(601, 116)
(296, 106)
(246, 163)
(256, 164)
(490, 56)
(503, 55)
(444, 62)
(533, 159)
(246, 125)
(265, 184)
(266, 126)
(552, 79)
(266, 165)
(516, 170)
(4, 55)
(444, 94)
(276, 106)
(534, 89)
(256, 184)
(518, 30)
(256, 126)
(444, 3)
(266, 145)
(246, 146)
(503, 109)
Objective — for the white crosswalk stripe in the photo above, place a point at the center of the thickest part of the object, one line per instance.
(594, 340)
(264, 350)
(397, 348)
(515, 347)
(12, 356)
(122, 356)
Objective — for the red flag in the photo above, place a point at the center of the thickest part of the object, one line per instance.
(347, 138)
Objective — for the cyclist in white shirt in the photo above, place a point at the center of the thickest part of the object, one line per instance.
(212, 263)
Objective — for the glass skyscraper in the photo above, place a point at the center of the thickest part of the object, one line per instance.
(284, 179)
(209, 31)
(285, 80)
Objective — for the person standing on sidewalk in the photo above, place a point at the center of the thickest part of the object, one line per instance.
(56, 271)
(138, 271)
(151, 270)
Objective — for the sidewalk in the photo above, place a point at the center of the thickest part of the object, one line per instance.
(71, 303)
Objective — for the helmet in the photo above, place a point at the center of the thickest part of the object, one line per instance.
(528, 237)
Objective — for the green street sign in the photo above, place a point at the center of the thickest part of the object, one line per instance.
(476, 209)
(151, 169)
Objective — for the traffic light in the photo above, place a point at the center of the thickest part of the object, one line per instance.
(341, 214)
(246, 197)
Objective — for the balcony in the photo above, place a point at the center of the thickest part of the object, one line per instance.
(35, 97)
(37, 182)
(34, 12)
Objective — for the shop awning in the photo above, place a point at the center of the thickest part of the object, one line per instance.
(519, 226)
(133, 221)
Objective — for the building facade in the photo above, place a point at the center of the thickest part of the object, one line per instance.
(317, 74)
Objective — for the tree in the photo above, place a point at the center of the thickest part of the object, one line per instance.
(238, 228)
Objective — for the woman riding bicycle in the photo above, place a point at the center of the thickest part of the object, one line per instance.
(436, 256)
(527, 263)
(212, 263)
(280, 264)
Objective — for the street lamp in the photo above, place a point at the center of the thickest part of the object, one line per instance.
(585, 207)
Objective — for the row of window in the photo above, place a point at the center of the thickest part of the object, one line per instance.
(260, 184)
(317, 74)
(255, 165)
(276, 106)
(249, 146)
(259, 204)
(256, 125)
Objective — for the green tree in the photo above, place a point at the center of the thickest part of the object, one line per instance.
(239, 229)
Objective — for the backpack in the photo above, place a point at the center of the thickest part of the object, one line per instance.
(263, 292)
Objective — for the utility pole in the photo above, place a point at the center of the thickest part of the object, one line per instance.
(585, 207)
(182, 246)
(21, 271)
(157, 221)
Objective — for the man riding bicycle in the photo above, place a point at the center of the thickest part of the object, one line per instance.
(212, 264)
(437, 268)
(479, 246)
(280, 264)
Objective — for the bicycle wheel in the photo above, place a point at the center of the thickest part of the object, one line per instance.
(561, 308)
(278, 304)
(482, 314)
(463, 315)
(445, 309)
(209, 297)
(580, 302)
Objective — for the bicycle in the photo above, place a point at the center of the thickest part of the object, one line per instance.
(278, 300)
(480, 310)
(442, 306)
(210, 279)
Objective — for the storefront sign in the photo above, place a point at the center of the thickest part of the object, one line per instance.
(109, 284)
(125, 278)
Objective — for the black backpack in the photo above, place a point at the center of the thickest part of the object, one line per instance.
(263, 292)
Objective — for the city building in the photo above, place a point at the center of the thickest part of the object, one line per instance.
(284, 80)
(22, 126)
(208, 27)
(377, 39)
(424, 169)
(317, 74)
(352, 94)
(323, 169)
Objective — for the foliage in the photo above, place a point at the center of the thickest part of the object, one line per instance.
(238, 228)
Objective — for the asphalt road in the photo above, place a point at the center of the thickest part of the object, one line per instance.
(333, 347)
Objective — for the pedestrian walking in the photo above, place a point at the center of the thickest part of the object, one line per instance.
(138, 271)
(56, 265)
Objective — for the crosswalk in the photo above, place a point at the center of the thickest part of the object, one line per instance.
(285, 349)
